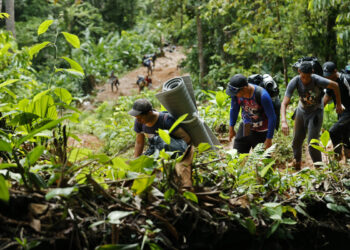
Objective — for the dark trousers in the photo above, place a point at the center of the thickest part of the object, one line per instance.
(340, 133)
(243, 144)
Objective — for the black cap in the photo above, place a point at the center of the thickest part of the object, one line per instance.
(306, 67)
(141, 106)
(329, 68)
(236, 82)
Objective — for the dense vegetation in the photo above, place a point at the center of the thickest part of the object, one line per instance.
(57, 194)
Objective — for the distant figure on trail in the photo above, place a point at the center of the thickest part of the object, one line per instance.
(143, 82)
(113, 81)
(340, 131)
(309, 114)
(146, 125)
(149, 61)
(258, 117)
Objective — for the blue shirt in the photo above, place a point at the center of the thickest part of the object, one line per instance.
(262, 116)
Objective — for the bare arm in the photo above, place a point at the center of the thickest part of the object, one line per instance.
(139, 144)
(334, 86)
(326, 99)
(181, 133)
(284, 124)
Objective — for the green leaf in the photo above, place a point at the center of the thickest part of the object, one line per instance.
(273, 228)
(74, 65)
(78, 154)
(62, 192)
(34, 155)
(325, 138)
(115, 216)
(266, 169)
(64, 95)
(169, 194)
(44, 26)
(36, 48)
(203, 147)
(271, 204)
(141, 163)
(140, 185)
(250, 225)
(4, 191)
(288, 221)
(7, 165)
(72, 39)
(10, 81)
(337, 208)
(164, 135)
(9, 92)
(4, 15)
(71, 71)
(178, 121)
(190, 196)
(5, 146)
(119, 247)
(220, 98)
(319, 148)
(37, 180)
(36, 131)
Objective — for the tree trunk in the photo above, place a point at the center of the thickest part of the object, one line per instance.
(331, 38)
(200, 47)
(0, 6)
(10, 22)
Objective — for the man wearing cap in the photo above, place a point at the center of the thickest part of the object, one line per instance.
(309, 114)
(259, 121)
(340, 131)
(147, 123)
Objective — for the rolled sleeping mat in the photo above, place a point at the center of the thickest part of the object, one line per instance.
(177, 97)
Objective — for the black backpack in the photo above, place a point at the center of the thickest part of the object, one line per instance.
(266, 81)
(316, 66)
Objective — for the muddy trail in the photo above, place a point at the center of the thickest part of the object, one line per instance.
(166, 67)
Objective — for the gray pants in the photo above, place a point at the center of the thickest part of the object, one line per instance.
(310, 123)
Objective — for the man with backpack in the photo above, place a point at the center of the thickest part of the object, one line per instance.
(147, 123)
(340, 131)
(309, 114)
(258, 117)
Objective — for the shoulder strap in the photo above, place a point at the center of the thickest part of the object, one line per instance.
(258, 94)
(165, 116)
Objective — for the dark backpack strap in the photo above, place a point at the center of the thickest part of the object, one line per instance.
(258, 94)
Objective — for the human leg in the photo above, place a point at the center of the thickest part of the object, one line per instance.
(241, 142)
(314, 123)
(299, 135)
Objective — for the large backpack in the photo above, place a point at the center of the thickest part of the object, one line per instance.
(316, 66)
(266, 81)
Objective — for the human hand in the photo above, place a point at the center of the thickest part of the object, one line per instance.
(268, 143)
(231, 133)
(339, 108)
(285, 128)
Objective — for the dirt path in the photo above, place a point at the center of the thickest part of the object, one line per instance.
(165, 69)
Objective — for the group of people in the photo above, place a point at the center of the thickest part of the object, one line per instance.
(259, 119)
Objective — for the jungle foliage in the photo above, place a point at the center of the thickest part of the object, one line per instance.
(57, 194)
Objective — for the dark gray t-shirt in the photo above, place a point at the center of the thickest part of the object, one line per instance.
(311, 94)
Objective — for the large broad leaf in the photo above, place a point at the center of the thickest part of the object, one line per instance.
(337, 208)
(115, 216)
(34, 155)
(4, 191)
(164, 135)
(4, 15)
(141, 163)
(44, 107)
(10, 81)
(63, 192)
(325, 138)
(190, 196)
(178, 121)
(7, 165)
(72, 39)
(140, 185)
(74, 64)
(203, 147)
(40, 95)
(220, 98)
(267, 168)
(5, 146)
(36, 48)
(44, 26)
(64, 95)
(9, 92)
(78, 154)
